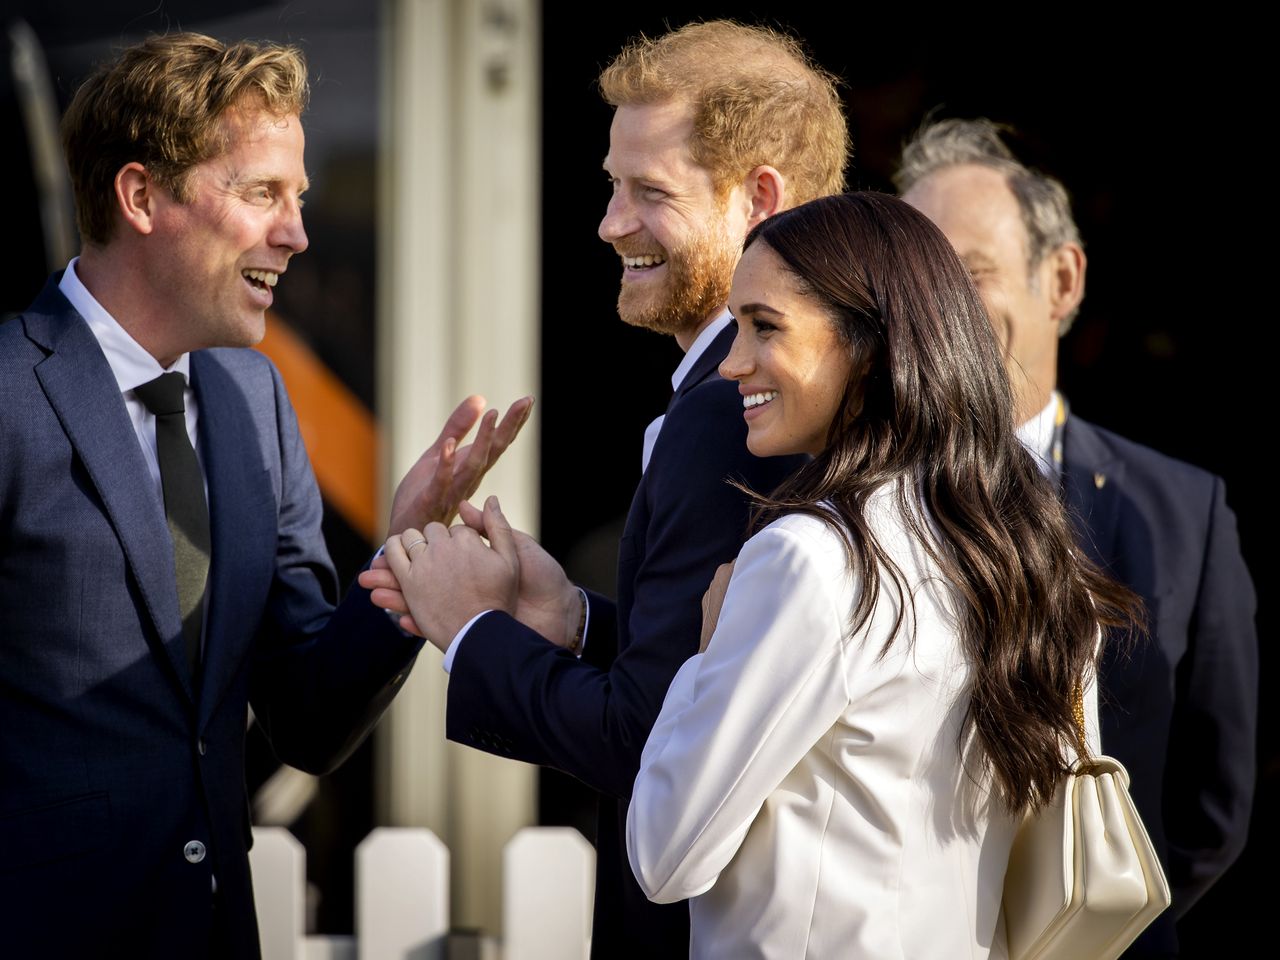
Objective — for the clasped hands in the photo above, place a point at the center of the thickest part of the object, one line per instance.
(437, 577)
(440, 577)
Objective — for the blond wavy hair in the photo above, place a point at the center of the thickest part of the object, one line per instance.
(161, 103)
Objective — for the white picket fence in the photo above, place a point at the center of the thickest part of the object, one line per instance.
(402, 898)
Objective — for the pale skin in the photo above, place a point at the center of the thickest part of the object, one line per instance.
(662, 198)
(175, 276)
(545, 599)
(974, 207)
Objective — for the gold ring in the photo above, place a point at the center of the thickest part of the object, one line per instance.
(414, 544)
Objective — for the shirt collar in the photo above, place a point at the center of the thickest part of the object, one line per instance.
(129, 361)
(699, 347)
(1037, 434)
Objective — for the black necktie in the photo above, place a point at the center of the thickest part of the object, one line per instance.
(184, 503)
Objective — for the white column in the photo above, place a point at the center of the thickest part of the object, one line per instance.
(458, 314)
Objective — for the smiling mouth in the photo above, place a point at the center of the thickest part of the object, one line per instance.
(646, 262)
(752, 400)
(261, 279)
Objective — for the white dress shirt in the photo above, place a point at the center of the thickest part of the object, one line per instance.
(1037, 436)
(806, 789)
(696, 350)
(133, 366)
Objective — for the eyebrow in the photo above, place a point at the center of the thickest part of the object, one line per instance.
(254, 180)
(759, 308)
(662, 182)
(972, 260)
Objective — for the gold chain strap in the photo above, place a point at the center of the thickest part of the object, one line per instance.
(1077, 711)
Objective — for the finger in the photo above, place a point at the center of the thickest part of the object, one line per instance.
(379, 563)
(409, 625)
(468, 472)
(462, 419)
(516, 417)
(374, 579)
(435, 531)
(500, 536)
(471, 516)
(392, 600)
(414, 543)
(397, 558)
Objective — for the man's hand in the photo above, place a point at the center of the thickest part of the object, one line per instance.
(447, 576)
(384, 591)
(445, 474)
(548, 603)
(712, 601)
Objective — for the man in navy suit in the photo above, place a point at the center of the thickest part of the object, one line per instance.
(161, 560)
(717, 126)
(1180, 712)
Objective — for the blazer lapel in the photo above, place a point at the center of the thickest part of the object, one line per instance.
(707, 366)
(1091, 481)
(242, 520)
(86, 398)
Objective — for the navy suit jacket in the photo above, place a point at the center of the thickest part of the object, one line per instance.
(514, 694)
(111, 763)
(1179, 711)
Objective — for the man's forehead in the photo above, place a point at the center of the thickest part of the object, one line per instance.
(244, 131)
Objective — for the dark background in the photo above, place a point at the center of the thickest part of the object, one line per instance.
(1150, 122)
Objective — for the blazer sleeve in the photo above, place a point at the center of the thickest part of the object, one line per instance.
(1209, 778)
(514, 694)
(321, 676)
(739, 717)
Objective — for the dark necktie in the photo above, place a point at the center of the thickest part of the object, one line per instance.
(184, 503)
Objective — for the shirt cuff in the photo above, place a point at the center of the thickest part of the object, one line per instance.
(449, 654)
(586, 622)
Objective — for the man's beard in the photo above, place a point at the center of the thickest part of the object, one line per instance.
(697, 283)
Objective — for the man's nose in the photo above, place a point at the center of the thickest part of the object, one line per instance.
(620, 219)
(289, 231)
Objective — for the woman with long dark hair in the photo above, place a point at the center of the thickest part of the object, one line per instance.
(895, 676)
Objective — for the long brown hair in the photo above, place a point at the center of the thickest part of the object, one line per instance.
(929, 410)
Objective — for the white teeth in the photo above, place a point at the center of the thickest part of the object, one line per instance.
(262, 276)
(756, 399)
(648, 260)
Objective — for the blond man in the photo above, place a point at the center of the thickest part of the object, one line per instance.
(161, 560)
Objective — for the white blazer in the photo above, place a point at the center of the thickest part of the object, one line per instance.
(808, 792)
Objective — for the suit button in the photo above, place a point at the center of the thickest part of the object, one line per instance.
(193, 851)
(201, 746)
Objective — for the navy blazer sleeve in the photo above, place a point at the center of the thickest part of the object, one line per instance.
(514, 694)
(1209, 778)
(321, 676)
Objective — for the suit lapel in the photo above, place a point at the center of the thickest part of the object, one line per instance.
(86, 398)
(1091, 481)
(242, 521)
(707, 365)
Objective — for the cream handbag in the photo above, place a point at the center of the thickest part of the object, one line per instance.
(1083, 879)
